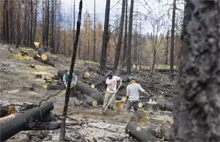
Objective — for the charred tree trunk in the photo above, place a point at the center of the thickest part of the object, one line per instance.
(130, 38)
(196, 113)
(18, 25)
(105, 38)
(94, 40)
(126, 29)
(138, 133)
(52, 25)
(86, 89)
(118, 49)
(65, 108)
(167, 47)
(6, 23)
(172, 38)
(35, 23)
(31, 21)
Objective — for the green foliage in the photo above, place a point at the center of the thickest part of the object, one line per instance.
(164, 67)
(91, 62)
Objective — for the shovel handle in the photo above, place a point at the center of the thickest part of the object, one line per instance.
(112, 98)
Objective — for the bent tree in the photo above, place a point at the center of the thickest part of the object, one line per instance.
(197, 103)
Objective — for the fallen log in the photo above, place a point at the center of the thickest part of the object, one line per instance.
(88, 100)
(56, 87)
(44, 125)
(159, 130)
(48, 62)
(86, 73)
(56, 77)
(59, 82)
(149, 106)
(49, 117)
(139, 133)
(19, 123)
(86, 89)
(60, 73)
(42, 54)
(6, 110)
(165, 105)
(7, 118)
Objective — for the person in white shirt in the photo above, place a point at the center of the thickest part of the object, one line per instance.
(133, 95)
(111, 82)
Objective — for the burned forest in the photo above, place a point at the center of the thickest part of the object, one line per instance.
(109, 71)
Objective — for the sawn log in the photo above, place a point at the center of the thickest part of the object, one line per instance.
(165, 105)
(138, 133)
(86, 89)
(19, 123)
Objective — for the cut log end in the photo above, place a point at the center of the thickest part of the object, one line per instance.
(124, 99)
(119, 106)
(92, 86)
(140, 105)
(86, 75)
(44, 57)
(94, 103)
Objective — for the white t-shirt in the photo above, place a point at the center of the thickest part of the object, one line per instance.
(133, 90)
(113, 83)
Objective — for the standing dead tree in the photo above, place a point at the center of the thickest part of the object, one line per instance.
(196, 113)
(172, 37)
(62, 133)
(105, 37)
(130, 38)
(118, 49)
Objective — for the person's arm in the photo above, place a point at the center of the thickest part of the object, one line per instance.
(127, 94)
(75, 78)
(142, 90)
(64, 80)
(120, 81)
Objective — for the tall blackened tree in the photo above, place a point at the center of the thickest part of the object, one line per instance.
(118, 49)
(172, 37)
(126, 29)
(105, 37)
(130, 38)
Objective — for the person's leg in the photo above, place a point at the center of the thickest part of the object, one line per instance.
(106, 100)
(112, 104)
(136, 112)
